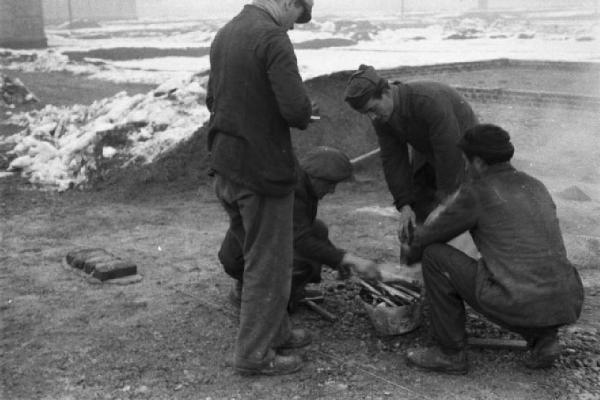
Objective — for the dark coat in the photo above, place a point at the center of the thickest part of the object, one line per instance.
(524, 277)
(431, 117)
(255, 94)
(309, 243)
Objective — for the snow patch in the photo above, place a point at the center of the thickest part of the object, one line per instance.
(57, 148)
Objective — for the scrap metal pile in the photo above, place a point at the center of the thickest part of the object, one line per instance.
(393, 305)
(389, 294)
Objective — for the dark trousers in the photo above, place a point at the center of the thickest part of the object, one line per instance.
(263, 228)
(450, 280)
(305, 268)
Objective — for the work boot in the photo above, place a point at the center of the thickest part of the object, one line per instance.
(235, 294)
(278, 365)
(544, 352)
(435, 359)
(299, 338)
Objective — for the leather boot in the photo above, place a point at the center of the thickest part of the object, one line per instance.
(435, 359)
(278, 365)
(544, 352)
(299, 338)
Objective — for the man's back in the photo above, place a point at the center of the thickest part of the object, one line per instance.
(524, 265)
(255, 94)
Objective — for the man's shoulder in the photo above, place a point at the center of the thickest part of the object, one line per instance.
(254, 23)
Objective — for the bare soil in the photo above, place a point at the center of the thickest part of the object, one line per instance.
(171, 335)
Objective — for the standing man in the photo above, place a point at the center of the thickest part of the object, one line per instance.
(523, 280)
(320, 170)
(431, 117)
(255, 94)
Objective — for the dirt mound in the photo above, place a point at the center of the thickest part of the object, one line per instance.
(188, 162)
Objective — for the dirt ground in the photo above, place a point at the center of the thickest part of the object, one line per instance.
(171, 335)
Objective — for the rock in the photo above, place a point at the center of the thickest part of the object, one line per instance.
(574, 193)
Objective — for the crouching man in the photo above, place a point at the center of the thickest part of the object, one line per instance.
(523, 281)
(320, 170)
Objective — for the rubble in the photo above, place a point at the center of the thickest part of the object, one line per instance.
(14, 93)
(60, 147)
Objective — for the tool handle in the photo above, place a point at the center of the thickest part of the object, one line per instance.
(319, 310)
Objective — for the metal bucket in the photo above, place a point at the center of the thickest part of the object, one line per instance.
(393, 320)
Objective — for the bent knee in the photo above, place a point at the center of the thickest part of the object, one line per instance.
(320, 229)
(434, 253)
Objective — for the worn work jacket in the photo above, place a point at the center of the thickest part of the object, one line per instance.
(431, 117)
(308, 243)
(524, 277)
(255, 94)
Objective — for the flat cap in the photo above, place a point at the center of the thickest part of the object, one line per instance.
(362, 85)
(327, 163)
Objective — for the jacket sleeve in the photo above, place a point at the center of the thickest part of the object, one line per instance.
(459, 214)
(308, 244)
(444, 135)
(209, 95)
(396, 165)
(286, 82)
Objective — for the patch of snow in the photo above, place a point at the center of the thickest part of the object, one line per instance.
(58, 146)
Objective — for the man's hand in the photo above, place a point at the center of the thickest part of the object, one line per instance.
(408, 221)
(366, 269)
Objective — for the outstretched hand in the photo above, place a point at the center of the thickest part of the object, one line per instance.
(362, 267)
(408, 221)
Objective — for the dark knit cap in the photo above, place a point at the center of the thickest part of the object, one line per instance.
(327, 163)
(489, 142)
(362, 85)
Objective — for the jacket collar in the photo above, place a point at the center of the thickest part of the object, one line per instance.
(400, 97)
(255, 8)
(498, 168)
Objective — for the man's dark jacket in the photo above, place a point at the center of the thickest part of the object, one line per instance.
(431, 117)
(255, 94)
(523, 277)
(308, 242)
(310, 239)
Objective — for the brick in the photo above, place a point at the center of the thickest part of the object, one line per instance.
(100, 263)
(114, 269)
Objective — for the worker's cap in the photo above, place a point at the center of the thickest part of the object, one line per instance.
(327, 163)
(306, 15)
(362, 85)
(489, 142)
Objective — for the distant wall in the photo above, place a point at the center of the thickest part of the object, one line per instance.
(57, 11)
(22, 24)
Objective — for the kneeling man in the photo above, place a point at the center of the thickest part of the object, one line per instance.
(523, 280)
(320, 170)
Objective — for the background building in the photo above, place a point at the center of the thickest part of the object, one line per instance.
(22, 24)
(59, 11)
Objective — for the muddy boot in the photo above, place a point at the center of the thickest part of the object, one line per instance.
(277, 365)
(544, 352)
(235, 294)
(435, 359)
(298, 339)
